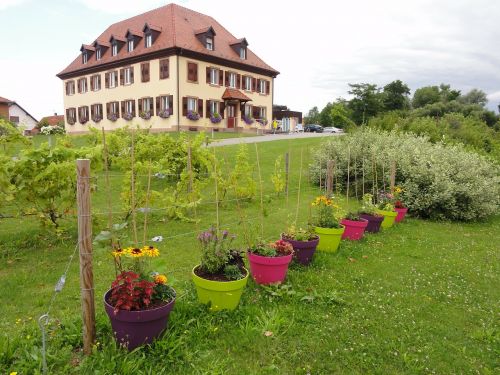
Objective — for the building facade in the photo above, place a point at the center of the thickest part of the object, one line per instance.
(13, 112)
(168, 69)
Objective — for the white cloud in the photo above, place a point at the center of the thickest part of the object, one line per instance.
(4, 4)
(122, 6)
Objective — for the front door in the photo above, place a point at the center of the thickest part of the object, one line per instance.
(231, 116)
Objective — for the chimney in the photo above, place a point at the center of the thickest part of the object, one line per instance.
(55, 113)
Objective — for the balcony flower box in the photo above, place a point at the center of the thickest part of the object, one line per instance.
(164, 113)
(146, 115)
(248, 120)
(128, 116)
(193, 116)
(113, 117)
(215, 118)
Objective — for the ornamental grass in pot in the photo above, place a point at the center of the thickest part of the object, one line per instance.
(221, 275)
(354, 225)
(269, 262)
(326, 223)
(304, 243)
(139, 301)
(368, 211)
(385, 208)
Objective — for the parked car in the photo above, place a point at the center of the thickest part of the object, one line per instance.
(332, 129)
(313, 128)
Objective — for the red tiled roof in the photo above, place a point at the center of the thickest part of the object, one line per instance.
(178, 25)
(235, 94)
(53, 120)
(4, 100)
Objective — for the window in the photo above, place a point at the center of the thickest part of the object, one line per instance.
(164, 103)
(70, 88)
(214, 76)
(82, 85)
(85, 57)
(248, 110)
(248, 83)
(129, 106)
(83, 114)
(232, 80)
(130, 45)
(114, 49)
(128, 76)
(192, 72)
(262, 86)
(243, 53)
(112, 79)
(192, 104)
(147, 105)
(145, 72)
(96, 112)
(149, 40)
(214, 107)
(113, 110)
(98, 54)
(164, 69)
(210, 43)
(96, 82)
(128, 109)
(262, 112)
(71, 115)
(14, 119)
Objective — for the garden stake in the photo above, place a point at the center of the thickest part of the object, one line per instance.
(216, 191)
(85, 249)
(261, 197)
(393, 175)
(383, 176)
(355, 175)
(329, 178)
(287, 161)
(363, 171)
(348, 166)
(132, 184)
(298, 193)
(147, 206)
(106, 177)
(189, 168)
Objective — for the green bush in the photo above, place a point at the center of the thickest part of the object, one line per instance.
(439, 181)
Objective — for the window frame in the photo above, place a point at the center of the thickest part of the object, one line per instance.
(129, 103)
(114, 49)
(232, 79)
(148, 40)
(243, 53)
(214, 76)
(98, 54)
(113, 74)
(149, 100)
(71, 116)
(209, 43)
(85, 57)
(262, 86)
(191, 99)
(164, 103)
(214, 106)
(96, 79)
(127, 76)
(130, 45)
(248, 83)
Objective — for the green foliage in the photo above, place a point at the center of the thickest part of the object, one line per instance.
(45, 181)
(438, 181)
(340, 116)
(367, 101)
(475, 96)
(233, 272)
(327, 214)
(312, 116)
(215, 249)
(299, 234)
(426, 95)
(395, 96)
(367, 205)
(7, 189)
(241, 177)
(278, 177)
(10, 135)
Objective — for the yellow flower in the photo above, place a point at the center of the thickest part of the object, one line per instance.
(160, 279)
(119, 252)
(135, 252)
(13, 373)
(151, 251)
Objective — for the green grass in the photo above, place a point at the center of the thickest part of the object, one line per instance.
(421, 297)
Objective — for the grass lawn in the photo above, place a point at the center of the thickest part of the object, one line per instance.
(422, 297)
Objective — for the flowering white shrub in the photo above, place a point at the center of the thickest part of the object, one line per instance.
(52, 129)
(438, 181)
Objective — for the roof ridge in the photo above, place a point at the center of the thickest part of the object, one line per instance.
(173, 23)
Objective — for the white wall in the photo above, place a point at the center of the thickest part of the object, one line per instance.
(25, 121)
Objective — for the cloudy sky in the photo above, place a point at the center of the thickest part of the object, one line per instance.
(318, 46)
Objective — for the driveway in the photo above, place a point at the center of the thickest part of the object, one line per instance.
(268, 138)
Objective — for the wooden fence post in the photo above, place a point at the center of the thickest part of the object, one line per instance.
(287, 171)
(85, 250)
(393, 175)
(329, 178)
(189, 168)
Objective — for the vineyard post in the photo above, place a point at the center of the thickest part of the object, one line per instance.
(298, 192)
(85, 251)
(108, 186)
(393, 174)
(287, 165)
(261, 194)
(348, 171)
(329, 178)
(189, 168)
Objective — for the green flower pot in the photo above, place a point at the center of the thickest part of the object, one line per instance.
(329, 238)
(221, 295)
(389, 217)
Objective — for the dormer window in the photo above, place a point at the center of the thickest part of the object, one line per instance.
(210, 43)
(240, 47)
(114, 49)
(85, 57)
(98, 54)
(149, 40)
(243, 53)
(130, 45)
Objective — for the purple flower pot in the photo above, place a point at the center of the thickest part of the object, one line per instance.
(374, 222)
(354, 229)
(136, 328)
(268, 270)
(303, 250)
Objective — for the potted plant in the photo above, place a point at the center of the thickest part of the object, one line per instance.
(248, 119)
(399, 206)
(146, 115)
(215, 118)
(221, 275)
(97, 118)
(385, 208)
(193, 116)
(304, 243)
(128, 116)
(113, 117)
(269, 262)
(354, 225)
(139, 301)
(164, 113)
(326, 223)
(368, 211)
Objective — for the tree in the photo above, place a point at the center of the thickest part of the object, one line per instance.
(447, 94)
(312, 116)
(366, 102)
(475, 96)
(324, 117)
(395, 95)
(426, 95)
(340, 115)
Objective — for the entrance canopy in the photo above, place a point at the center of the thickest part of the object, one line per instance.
(233, 94)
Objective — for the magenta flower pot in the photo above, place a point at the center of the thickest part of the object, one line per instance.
(353, 229)
(401, 214)
(268, 270)
(374, 222)
(303, 251)
(136, 328)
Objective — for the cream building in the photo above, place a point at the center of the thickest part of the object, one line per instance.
(169, 69)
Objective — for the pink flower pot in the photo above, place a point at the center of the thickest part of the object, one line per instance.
(353, 229)
(401, 214)
(268, 270)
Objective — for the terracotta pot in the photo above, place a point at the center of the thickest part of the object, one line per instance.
(268, 270)
(136, 328)
(221, 295)
(373, 222)
(401, 214)
(353, 229)
(303, 251)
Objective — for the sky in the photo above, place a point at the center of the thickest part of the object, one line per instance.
(318, 46)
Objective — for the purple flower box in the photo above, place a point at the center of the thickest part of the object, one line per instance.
(248, 120)
(192, 115)
(165, 113)
(97, 118)
(215, 118)
(145, 115)
(128, 116)
(113, 117)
